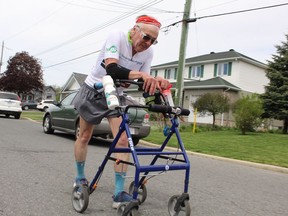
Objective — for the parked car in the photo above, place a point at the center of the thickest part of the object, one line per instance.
(30, 104)
(64, 117)
(45, 104)
(10, 104)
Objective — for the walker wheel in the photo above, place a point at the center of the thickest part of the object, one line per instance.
(183, 208)
(142, 192)
(128, 209)
(80, 198)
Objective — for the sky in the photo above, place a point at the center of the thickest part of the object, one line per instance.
(66, 35)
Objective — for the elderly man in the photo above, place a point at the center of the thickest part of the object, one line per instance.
(124, 55)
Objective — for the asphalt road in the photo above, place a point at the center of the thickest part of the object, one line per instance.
(37, 171)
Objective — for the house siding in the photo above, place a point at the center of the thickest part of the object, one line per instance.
(251, 78)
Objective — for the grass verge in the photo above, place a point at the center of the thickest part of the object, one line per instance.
(266, 148)
(34, 115)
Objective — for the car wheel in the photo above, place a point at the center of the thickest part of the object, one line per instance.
(26, 108)
(7, 115)
(77, 130)
(17, 116)
(47, 125)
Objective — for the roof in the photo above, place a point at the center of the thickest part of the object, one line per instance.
(80, 78)
(216, 82)
(47, 87)
(214, 57)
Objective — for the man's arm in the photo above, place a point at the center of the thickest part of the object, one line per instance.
(150, 83)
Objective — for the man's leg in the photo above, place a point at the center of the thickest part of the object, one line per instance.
(81, 147)
(120, 169)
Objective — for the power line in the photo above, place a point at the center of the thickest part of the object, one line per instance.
(243, 11)
(188, 20)
(38, 21)
(224, 14)
(104, 25)
(72, 59)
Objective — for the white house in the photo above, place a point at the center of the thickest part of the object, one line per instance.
(229, 72)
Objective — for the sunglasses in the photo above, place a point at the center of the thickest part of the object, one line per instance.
(147, 38)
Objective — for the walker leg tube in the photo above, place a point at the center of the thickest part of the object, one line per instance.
(186, 181)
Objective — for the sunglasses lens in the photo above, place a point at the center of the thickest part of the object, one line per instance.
(146, 38)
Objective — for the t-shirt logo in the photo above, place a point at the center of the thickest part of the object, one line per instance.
(112, 49)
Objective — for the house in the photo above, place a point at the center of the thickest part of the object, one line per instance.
(73, 83)
(229, 72)
(48, 92)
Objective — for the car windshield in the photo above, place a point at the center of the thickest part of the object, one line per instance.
(8, 96)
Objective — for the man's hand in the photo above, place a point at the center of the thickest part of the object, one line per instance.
(163, 83)
(150, 84)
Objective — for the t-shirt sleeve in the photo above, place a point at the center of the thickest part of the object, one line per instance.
(112, 46)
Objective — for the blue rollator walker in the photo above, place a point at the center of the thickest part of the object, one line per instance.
(177, 204)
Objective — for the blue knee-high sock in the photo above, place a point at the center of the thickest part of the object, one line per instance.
(119, 182)
(80, 169)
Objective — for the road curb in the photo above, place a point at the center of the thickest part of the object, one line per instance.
(246, 163)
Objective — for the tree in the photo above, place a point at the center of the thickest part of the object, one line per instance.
(247, 112)
(24, 74)
(58, 92)
(275, 98)
(212, 103)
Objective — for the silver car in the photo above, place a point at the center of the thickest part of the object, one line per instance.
(64, 117)
(10, 104)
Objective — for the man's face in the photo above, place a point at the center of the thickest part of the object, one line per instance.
(144, 36)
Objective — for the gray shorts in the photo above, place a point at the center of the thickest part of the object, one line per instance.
(92, 107)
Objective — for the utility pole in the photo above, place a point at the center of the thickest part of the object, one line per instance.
(1, 55)
(182, 51)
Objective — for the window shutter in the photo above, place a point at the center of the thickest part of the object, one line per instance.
(215, 70)
(165, 74)
(190, 69)
(229, 68)
(202, 71)
(175, 74)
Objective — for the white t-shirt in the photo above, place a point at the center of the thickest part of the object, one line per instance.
(119, 47)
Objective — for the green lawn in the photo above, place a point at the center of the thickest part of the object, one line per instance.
(267, 148)
(35, 115)
(264, 148)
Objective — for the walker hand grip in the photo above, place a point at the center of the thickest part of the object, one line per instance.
(185, 112)
(160, 108)
(168, 109)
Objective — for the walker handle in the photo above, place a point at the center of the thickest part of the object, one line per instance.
(168, 109)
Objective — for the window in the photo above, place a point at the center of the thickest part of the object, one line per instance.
(68, 100)
(154, 73)
(223, 69)
(196, 71)
(170, 73)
